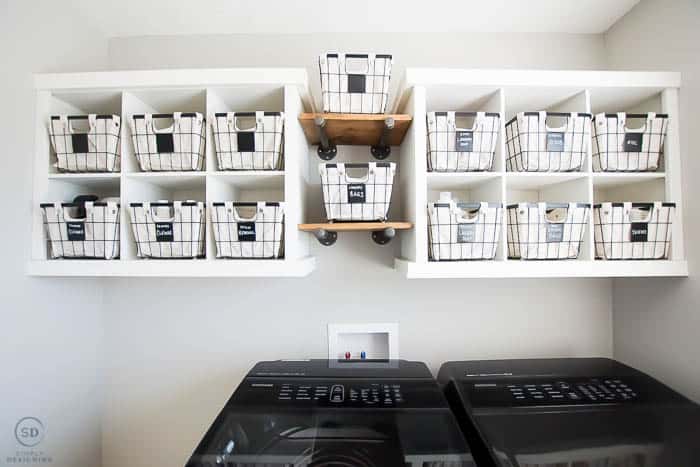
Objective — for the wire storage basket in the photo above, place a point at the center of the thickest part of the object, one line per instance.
(534, 146)
(248, 147)
(633, 230)
(177, 147)
(92, 233)
(453, 148)
(463, 231)
(357, 198)
(248, 230)
(546, 230)
(168, 229)
(355, 83)
(95, 149)
(617, 148)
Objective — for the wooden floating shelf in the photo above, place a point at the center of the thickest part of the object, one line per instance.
(355, 226)
(355, 129)
(382, 232)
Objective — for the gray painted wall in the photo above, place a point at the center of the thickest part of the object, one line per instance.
(656, 322)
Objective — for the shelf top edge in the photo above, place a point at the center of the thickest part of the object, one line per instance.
(188, 77)
(419, 76)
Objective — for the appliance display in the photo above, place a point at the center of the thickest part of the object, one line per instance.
(570, 412)
(332, 413)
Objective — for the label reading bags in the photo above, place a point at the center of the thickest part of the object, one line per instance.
(164, 143)
(555, 141)
(356, 84)
(466, 233)
(639, 232)
(246, 231)
(633, 142)
(555, 233)
(76, 231)
(246, 141)
(356, 193)
(464, 141)
(80, 142)
(164, 232)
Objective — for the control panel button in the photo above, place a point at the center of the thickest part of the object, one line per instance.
(337, 393)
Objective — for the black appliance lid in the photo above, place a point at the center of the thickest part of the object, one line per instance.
(639, 436)
(572, 412)
(341, 369)
(332, 438)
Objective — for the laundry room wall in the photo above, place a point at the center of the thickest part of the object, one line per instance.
(656, 322)
(50, 329)
(177, 348)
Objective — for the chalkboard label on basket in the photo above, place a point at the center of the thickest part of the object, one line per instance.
(80, 143)
(464, 141)
(356, 193)
(76, 231)
(555, 141)
(165, 143)
(164, 232)
(633, 142)
(246, 141)
(246, 231)
(640, 232)
(466, 233)
(555, 233)
(356, 84)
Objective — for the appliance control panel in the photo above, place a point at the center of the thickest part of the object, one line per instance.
(559, 392)
(342, 393)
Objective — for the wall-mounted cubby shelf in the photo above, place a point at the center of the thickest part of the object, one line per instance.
(205, 91)
(509, 92)
(382, 232)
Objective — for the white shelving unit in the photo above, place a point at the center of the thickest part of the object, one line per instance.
(512, 91)
(167, 91)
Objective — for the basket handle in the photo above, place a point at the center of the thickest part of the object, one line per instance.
(236, 215)
(171, 129)
(546, 208)
(92, 120)
(622, 123)
(463, 211)
(641, 208)
(478, 121)
(569, 122)
(353, 59)
(342, 171)
(233, 119)
(177, 206)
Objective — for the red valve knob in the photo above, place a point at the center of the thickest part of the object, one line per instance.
(347, 355)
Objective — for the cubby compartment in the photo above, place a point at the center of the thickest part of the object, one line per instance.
(558, 142)
(153, 187)
(466, 102)
(636, 104)
(78, 105)
(554, 189)
(246, 99)
(162, 104)
(471, 188)
(242, 187)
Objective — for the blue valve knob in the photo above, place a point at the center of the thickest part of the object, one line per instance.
(363, 355)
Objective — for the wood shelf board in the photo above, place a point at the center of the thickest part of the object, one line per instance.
(355, 226)
(355, 129)
(611, 179)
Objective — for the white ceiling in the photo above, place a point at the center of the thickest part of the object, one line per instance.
(156, 17)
